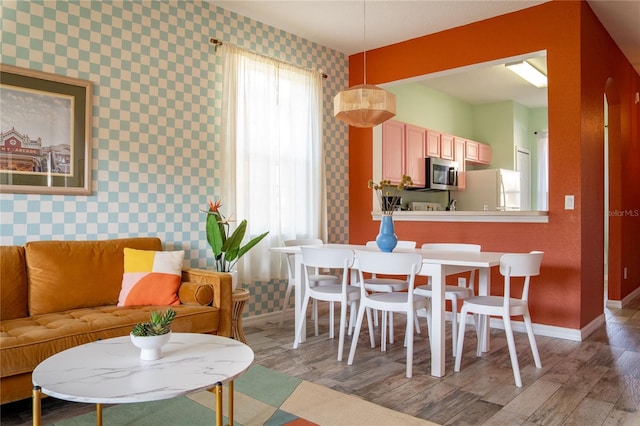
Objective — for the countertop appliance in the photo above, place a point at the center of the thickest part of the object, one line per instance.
(419, 206)
(490, 190)
(442, 175)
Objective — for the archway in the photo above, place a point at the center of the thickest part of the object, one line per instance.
(613, 222)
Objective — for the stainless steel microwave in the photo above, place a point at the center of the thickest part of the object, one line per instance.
(441, 174)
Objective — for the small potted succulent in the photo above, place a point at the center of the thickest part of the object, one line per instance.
(152, 335)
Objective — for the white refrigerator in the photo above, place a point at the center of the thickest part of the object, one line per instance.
(491, 189)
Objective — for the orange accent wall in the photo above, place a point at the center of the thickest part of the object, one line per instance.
(581, 58)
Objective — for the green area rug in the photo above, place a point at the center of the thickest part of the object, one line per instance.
(262, 397)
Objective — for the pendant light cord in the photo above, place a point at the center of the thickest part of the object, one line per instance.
(364, 38)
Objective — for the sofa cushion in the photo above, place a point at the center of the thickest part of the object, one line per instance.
(64, 275)
(26, 342)
(13, 289)
(151, 277)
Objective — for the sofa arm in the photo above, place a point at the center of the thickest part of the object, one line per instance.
(195, 294)
(221, 284)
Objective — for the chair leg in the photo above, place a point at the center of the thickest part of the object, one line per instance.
(372, 337)
(512, 351)
(383, 331)
(532, 339)
(390, 319)
(409, 333)
(480, 331)
(315, 316)
(454, 323)
(428, 311)
(332, 322)
(353, 311)
(354, 341)
(298, 336)
(343, 320)
(285, 303)
(460, 343)
(416, 324)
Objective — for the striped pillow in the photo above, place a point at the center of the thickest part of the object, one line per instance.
(151, 277)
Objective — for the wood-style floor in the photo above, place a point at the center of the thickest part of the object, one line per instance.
(594, 382)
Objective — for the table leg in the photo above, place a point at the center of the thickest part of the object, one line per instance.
(218, 392)
(230, 413)
(484, 281)
(98, 414)
(37, 407)
(437, 337)
(299, 296)
(437, 323)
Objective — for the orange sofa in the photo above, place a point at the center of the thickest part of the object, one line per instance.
(58, 294)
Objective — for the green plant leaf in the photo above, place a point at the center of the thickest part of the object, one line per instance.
(215, 233)
(232, 245)
(251, 243)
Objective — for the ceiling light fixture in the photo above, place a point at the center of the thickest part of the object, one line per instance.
(364, 105)
(530, 73)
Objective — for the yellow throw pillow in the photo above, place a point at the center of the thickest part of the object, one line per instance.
(151, 277)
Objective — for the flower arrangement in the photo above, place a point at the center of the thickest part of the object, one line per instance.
(388, 195)
(158, 324)
(227, 249)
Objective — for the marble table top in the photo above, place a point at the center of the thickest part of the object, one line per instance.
(111, 371)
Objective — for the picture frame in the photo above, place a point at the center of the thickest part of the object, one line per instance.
(45, 133)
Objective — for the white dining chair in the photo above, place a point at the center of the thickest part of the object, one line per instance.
(316, 278)
(453, 293)
(524, 265)
(314, 258)
(394, 263)
(386, 285)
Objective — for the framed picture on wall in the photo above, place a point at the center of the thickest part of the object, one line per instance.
(45, 133)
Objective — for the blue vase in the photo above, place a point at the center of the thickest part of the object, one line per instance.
(386, 239)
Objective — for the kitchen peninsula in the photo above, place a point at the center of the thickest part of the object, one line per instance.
(469, 216)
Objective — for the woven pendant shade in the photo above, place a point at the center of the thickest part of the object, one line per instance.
(364, 105)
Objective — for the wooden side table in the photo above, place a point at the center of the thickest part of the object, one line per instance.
(239, 298)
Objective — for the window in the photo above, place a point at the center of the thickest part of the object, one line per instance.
(272, 157)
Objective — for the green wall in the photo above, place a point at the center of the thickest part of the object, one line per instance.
(419, 105)
(503, 125)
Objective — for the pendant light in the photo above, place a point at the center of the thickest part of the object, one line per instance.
(364, 105)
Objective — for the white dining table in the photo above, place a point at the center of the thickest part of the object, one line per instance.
(436, 264)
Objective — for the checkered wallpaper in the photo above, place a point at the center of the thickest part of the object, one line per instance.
(156, 118)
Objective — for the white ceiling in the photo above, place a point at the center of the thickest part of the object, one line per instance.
(340, 25)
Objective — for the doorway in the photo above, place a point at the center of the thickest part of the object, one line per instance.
(523, 165)
(612, 196)
(606, 200)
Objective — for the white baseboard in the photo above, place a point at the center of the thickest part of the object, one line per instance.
(576, 335)
(264, 318)
(619, 304)
(543, 329)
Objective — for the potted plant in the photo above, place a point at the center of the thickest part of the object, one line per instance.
(150, 336)
(227, 249)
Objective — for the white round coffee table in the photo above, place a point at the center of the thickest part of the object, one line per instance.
(111, 372)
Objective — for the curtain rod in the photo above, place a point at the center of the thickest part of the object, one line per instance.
(217, 43)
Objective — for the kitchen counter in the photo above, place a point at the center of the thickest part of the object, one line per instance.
(469, 216)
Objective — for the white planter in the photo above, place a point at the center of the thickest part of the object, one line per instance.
(234, 279)
(150, 346)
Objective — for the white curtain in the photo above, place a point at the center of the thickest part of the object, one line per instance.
(542, 150)
(272, 158)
